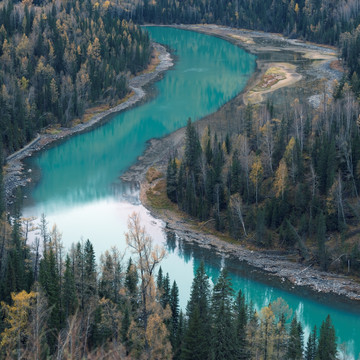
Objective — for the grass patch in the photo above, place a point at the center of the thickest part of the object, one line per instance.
(53, 129)
(126, 98)
(154, 174)
(89, 113)
(157, 197)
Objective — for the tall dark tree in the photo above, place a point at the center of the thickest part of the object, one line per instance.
(174, 306)
(224, 340)
(241, 322)
(295, 344)
(196, 342)
(327, 341)
(69, 299)
(311, 346)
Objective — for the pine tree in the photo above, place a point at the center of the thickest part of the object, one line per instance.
(196, 342)
(2, 194)
(90, 282)
(310, 351)
(224, 340)
(131, 278)
(69, 290)
(327, 341)
(49, 280)
(192, 147)
(241, 322)
(295, 344)
(165, 296)
(171, 176)
(174, 306)
(177, 346)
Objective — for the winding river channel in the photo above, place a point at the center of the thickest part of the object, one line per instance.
(79, 187)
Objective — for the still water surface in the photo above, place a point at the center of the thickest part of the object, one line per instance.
(79, 188)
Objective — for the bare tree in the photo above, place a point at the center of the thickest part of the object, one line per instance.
(237, 205)
(148, 257)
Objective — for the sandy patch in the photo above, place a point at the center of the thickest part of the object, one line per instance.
(276, 76)
(244, 39)
(318, 55)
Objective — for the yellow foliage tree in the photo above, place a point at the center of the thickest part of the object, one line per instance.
(289, 150)
(267, 332)
(256, 175)
(281, 179)
(17, 331)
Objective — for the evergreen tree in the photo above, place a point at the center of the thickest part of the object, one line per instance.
(171, 176)
(310, 351)
(69, 290)
(174, 306)
(295, 345)
(2, 194)
(224, 340)
(177, 346)
(50, 282)
(131, 278)
(196, 342)
(241, 322)
(165, 296)
(192, 148)
(327, 341)
(125, 326)
(90, 281)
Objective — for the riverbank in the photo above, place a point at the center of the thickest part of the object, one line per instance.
(295, 65)
(14, 175)
(280, 264)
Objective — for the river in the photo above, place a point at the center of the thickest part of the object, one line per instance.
(79, 187)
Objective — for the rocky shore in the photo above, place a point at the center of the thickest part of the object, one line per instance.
(14, 174)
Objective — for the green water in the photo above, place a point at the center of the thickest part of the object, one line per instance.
(80, 191)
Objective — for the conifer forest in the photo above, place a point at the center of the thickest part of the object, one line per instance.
(287, 180)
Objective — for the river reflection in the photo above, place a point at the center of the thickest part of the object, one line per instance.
(262, 289)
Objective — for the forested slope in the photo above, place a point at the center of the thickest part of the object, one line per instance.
(287, 180)
(59, 57)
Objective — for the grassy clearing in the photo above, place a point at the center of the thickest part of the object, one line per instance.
(53, 129)
(157, 198)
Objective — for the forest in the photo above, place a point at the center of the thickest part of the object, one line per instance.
(61, 305)
(60, 58)
(280, 181)
(326, 22)
(285, 180)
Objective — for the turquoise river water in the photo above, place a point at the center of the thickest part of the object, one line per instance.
(80, 191)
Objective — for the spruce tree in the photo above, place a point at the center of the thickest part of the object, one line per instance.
(90, 270)
(295, 344)
(174, 306)
(196, 342)
(2, 193)
(241, 322)
(171, 183)
(69, 291)
(131, 278)
(224, 340)
(165, 296)
(310, 351)
(327, 341)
